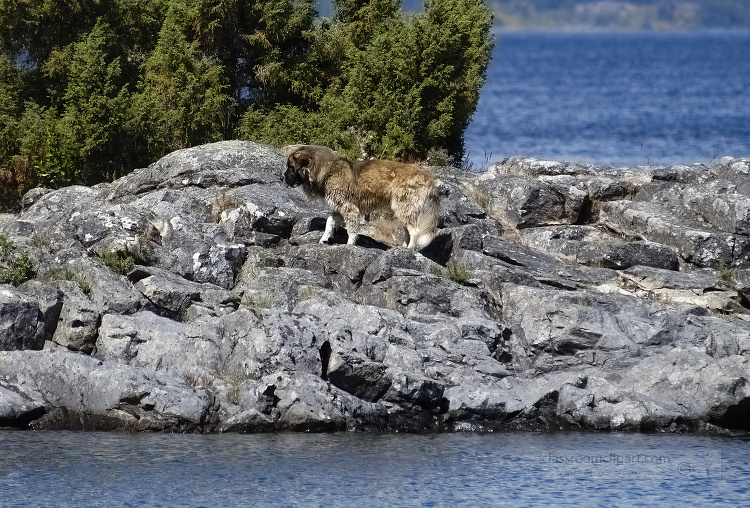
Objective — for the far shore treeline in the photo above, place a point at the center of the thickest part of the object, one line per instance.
(621, 14)
(91, 89)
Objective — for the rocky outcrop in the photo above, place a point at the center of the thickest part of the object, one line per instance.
(193, 295)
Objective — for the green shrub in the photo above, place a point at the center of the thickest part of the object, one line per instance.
(457, 272)
(68, 275)
(121, 263)
(15, 266)
(408, 85)
(454, 271)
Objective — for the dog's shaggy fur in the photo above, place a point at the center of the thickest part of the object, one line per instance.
(356, 188)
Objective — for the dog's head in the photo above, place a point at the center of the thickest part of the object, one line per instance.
(297, 168)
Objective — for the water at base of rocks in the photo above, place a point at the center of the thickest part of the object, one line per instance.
(67, 469)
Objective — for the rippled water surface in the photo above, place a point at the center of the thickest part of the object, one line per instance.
(509, 469)
(628, 98)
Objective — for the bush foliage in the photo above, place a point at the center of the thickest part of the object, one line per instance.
(15, 265)
(92, 89)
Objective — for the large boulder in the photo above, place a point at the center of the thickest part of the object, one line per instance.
(102, 395)
(694, 243)
(598, 246)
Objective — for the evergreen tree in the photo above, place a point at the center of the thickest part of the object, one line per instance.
(457, 41)
(90, 89)
(95, 108)
(10, 85)
(407, 84)
(183, 101)
(363, 19)
(380, 103)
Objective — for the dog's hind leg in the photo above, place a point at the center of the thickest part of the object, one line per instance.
(427, 222)
(351, 219)
(335, 220)
(423, 239)
(413, 233)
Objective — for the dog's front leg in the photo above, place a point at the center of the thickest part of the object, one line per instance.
(335, 220)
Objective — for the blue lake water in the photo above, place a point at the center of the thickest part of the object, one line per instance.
(615, 98)
(67, 469)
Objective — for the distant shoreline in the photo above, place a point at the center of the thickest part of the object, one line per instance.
(582, 29)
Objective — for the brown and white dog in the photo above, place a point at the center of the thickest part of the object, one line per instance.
(352, 189)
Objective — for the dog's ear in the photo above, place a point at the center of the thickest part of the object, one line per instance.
(298, 160)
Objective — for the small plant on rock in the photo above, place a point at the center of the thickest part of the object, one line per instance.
(255, 265)
(479, 196)
(66, 274)
(455, 271)
(120, 262)
(40, 242)
(257, 302)
(438, 157)
(15, 266)
(306, 292)
(196, 379)
(725, 273)
(233, 379)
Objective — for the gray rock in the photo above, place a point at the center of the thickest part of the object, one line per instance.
(343, 265)
(702, 288)
(78, 324)
(304, 402)
(703, 388)
(127, 397)
(172, 295)
(458, 207)
(604, 406)
(18, 409)
(554, 330)
(727, 210)
(159, 344)
(33, 196)
(596, 246)
(227, 163)
(18, 320)
(356, 374)
(556, 296)
(259, 215)
(519, 264)
(530, 167)
(693, 243)
(110, 292)
(50, 302)
(263, 286)
(417, 294)
(414, 389)
(522, 203)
